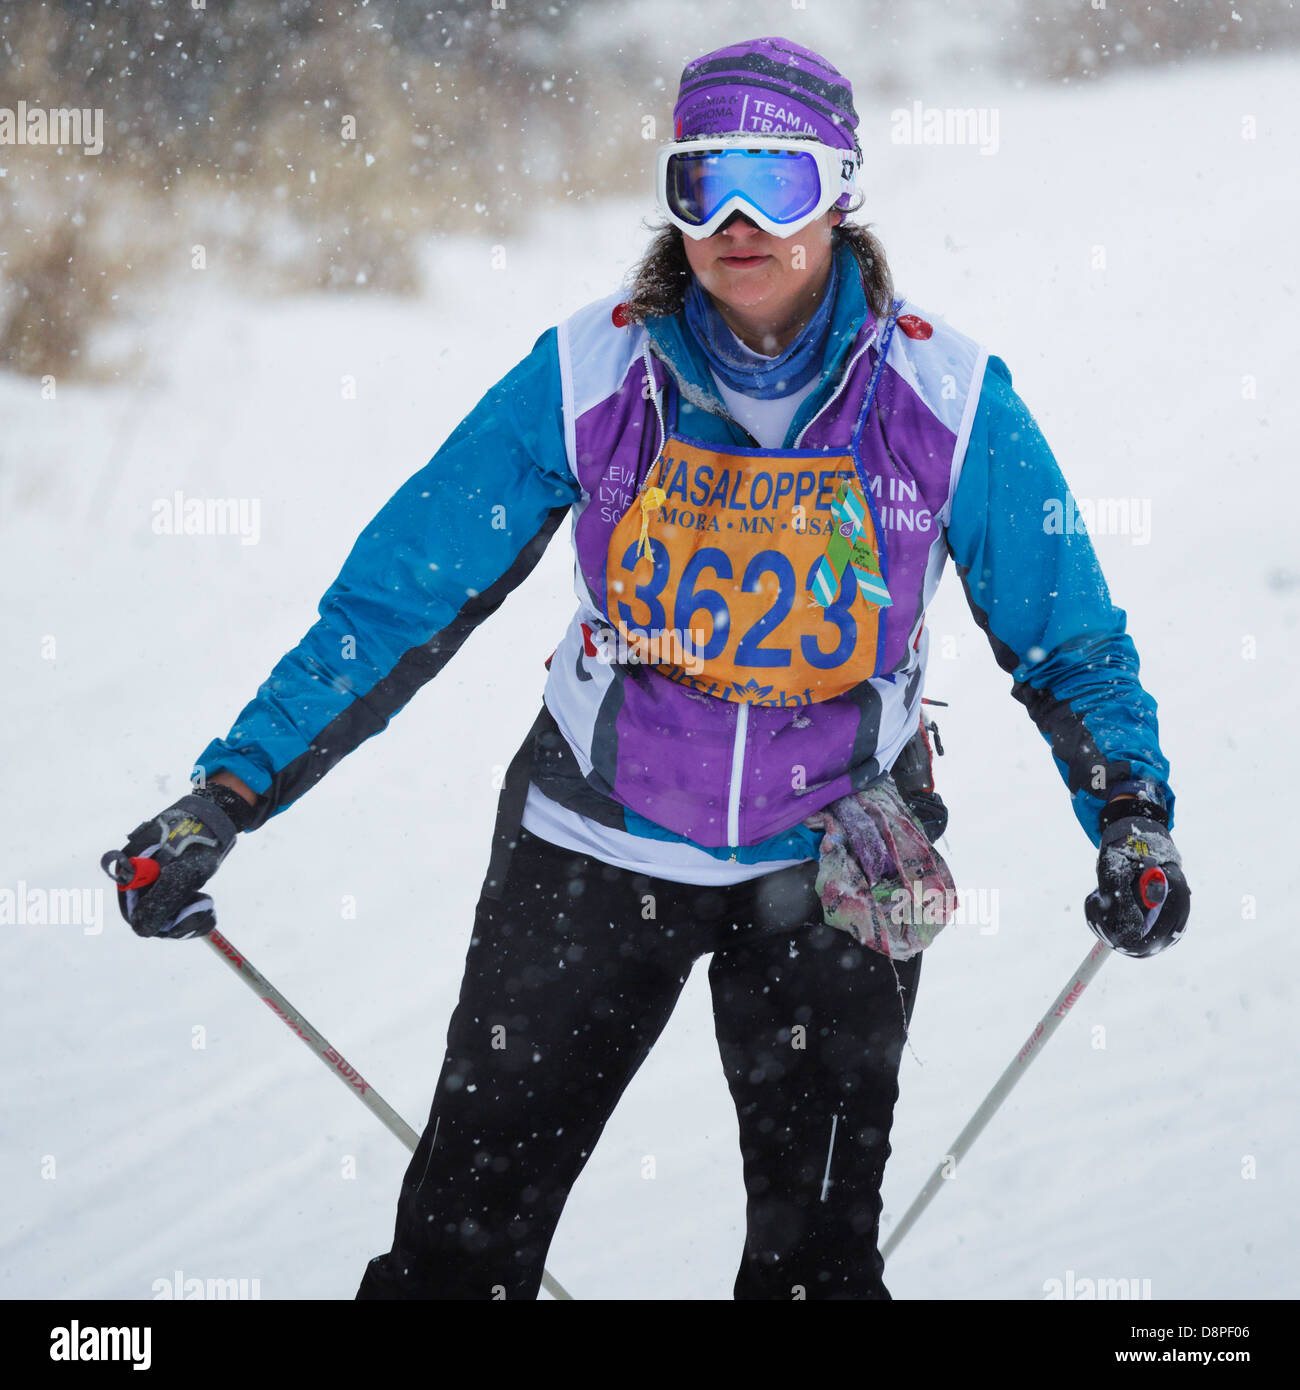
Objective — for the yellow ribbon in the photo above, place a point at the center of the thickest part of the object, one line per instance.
(651, 500)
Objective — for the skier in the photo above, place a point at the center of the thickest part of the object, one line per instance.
(768, 459)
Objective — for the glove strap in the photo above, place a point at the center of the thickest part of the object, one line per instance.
(229, 801)
(1138, 798)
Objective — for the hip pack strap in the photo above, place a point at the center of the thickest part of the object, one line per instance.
(510, 809)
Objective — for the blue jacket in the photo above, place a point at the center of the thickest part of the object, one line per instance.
(415, 586)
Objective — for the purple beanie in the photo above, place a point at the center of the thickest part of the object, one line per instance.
(765, 87)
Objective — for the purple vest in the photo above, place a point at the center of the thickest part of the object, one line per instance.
(740, 769)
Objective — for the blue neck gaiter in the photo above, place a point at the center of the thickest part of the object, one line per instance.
(771, 376)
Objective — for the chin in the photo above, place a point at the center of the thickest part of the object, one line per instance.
(744, 288)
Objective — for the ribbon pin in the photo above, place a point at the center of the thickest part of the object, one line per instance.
(651, 500)
(848, 547)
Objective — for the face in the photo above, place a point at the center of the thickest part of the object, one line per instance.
(753, 273)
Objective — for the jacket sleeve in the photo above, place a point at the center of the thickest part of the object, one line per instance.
(1038, 593)
(439, 557)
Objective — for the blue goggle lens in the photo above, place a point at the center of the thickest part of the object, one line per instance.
(782, 184)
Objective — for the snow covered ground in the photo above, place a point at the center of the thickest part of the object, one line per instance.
(131, 1152)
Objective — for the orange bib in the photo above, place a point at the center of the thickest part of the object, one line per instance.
(709, 575)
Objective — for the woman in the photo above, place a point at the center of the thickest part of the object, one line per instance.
(767, 461)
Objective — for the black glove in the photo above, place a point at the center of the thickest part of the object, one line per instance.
(1142, 900)
(179, 850)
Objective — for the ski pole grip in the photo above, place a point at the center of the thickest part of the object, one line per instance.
(1153, 887)
(129, 873)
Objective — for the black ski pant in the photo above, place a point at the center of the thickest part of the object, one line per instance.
(573, 970)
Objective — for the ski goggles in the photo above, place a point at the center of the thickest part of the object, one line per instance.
(781, 183)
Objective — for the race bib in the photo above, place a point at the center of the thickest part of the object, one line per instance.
(755, 577)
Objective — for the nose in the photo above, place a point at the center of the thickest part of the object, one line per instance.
(738, 217)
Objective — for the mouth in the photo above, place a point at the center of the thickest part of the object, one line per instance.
(742, 262)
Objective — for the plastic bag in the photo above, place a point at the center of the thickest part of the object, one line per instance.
(879, 877)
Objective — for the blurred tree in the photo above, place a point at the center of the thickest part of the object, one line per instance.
(323, 144)
(1073, 39)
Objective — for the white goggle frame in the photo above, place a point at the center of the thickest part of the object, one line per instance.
(836, 168)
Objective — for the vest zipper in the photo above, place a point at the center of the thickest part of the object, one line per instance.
(844, 381)
(742, 717)
(654, 397)
(723, 414)
(737, 772)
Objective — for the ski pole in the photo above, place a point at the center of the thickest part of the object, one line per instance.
(1037, 1040)
(319, 1044)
